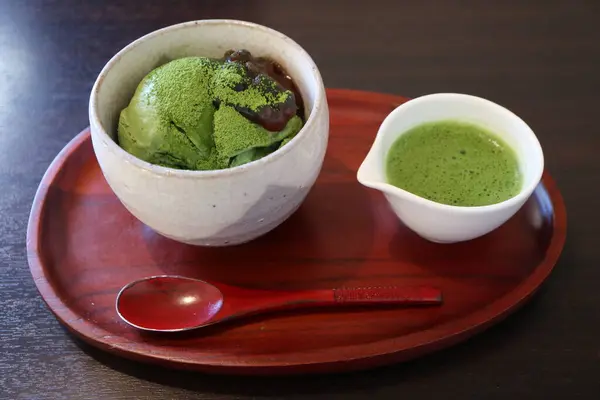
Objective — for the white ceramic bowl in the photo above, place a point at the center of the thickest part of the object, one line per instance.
(211, 208)
(445, 223)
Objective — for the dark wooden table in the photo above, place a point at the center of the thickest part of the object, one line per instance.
(540, 59)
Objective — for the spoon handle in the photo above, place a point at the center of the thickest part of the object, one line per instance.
(238, 302)
(242, 301)
(388, 295)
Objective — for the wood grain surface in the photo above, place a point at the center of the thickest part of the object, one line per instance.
(540, 59)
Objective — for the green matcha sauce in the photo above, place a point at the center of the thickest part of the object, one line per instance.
(188, 114)
(455, 163)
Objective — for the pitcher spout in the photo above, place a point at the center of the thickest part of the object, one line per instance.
(370, 173)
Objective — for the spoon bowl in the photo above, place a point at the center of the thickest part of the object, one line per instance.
(168, 303)
(171, 303)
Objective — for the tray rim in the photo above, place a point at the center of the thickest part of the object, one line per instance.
(364, 356)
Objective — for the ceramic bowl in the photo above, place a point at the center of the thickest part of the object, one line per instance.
(446, 223)
(210, 208)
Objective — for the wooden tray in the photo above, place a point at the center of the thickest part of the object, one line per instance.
(83, 246)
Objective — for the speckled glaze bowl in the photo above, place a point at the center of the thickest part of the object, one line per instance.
(210, 208)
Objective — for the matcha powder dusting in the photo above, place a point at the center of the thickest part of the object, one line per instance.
(198, 113)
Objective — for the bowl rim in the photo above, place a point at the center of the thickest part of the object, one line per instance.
(182, 173)
(518, 199)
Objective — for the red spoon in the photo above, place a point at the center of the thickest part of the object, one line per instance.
(168, 303)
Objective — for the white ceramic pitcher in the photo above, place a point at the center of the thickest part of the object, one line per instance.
(446, 223)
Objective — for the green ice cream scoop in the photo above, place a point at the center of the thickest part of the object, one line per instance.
(255, 142)
(193, 113)
(169, 119)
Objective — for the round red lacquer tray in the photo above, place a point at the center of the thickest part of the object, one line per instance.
(83, 246)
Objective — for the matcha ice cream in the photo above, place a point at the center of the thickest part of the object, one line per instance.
(199, 113)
